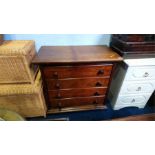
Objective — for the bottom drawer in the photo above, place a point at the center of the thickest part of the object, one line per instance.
(133, 99)
(78, 101)
(117, 107)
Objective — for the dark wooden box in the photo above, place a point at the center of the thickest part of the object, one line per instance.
(127, 45)
(135, 37)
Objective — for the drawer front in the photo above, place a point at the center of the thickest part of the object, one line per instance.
(132, 100)
(74, 102)
(77, 83)
(117, 107)
(138, 87)
(69, 93)
(140, 73)
(77, 71)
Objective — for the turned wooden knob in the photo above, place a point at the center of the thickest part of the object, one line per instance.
(96, 94)
(95, 102)
(55, 74)
(59, 96)
(98, 84)
(59, 106)
(57, 85)
(100, 72)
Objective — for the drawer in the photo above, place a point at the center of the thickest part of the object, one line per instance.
(77, 101)
(69, 93)
(117, 107)
(77, 83)
(140, 73)
(138, 87)
(77, 71)
(132, 100)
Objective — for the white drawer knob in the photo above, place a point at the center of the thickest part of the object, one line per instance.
(146, 74)
(133, 100)
(139, 89)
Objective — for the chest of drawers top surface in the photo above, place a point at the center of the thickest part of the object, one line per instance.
(75, 54)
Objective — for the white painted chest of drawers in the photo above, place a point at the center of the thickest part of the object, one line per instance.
(133, 83)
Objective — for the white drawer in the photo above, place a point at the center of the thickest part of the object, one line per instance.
(132, 100)
(117, 107)
(137, 87)
(140, 73)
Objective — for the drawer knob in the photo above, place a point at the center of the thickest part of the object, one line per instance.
(139, 89)
(57, 85)
(100, 72)
(98, 84)
(55, 74)
(59, 106)
(96, 94)
(95, 102)
(59, 96)
(146, 74)
(133, 100)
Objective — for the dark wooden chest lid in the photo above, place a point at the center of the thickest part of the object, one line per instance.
(135, 37)
(133, 45)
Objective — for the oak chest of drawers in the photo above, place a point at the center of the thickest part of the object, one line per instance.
(75, 77)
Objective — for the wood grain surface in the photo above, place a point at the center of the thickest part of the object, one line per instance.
(144, 117)
(77, 83)
(75, 92)
(61, 72)
(75, 54)
(78, 101)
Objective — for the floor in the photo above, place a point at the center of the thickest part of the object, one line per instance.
(142, 117)
(98, 115)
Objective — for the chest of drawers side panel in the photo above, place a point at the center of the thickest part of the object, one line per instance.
(45, 88)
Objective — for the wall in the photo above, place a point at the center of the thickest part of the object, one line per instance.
(62, 39)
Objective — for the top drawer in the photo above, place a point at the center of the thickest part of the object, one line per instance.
(61, 72)
(140, 73)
